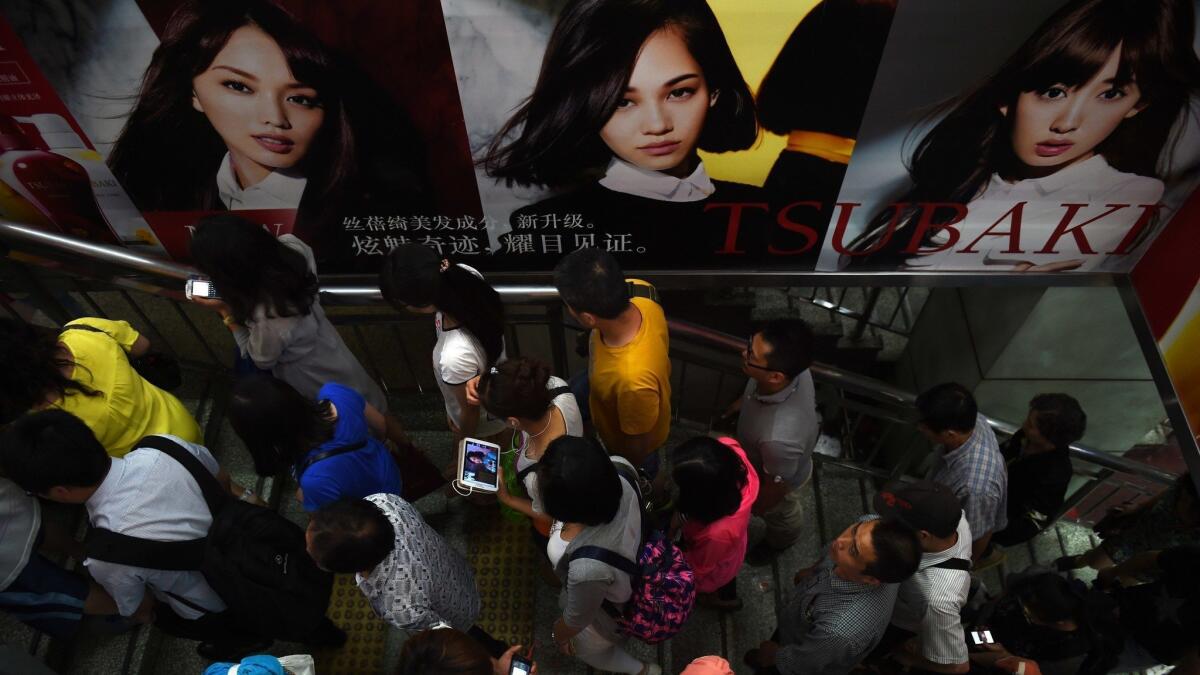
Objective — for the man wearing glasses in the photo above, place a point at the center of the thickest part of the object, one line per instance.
(778, 427)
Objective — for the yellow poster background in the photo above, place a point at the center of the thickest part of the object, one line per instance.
(756, 30)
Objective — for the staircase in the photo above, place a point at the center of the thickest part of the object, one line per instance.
(519, 605)
(859, 329)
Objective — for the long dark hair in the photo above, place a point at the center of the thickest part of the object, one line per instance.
(31, 369)
(587, 65)
(163, 117)
(516, 388)
(850, 33)
(249, 267)
(578, 482)
(277, 423)
(1050, 597)
(710, 477)
(416, 276)
(955, 160)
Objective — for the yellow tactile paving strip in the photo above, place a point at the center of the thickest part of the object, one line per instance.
(366, 647)
(502, 558)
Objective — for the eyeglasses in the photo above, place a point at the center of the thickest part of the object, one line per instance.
(748, 352)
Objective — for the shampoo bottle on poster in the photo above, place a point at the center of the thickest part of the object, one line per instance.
(58, 187)
(118, 210)
(13, 206)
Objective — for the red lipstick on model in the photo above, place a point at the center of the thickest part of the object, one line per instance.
(657, 149)
(1052, 148)
(275, 143)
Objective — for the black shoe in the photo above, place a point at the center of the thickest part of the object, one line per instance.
(1067, 563)
(327, 635)
(762, 554)
(232, 651)
(714, 601)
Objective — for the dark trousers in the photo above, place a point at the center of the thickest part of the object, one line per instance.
(494, 647)
(892, 638)
(224, 628)
(728, 591)
(1017, 532)
(769, 670)
(220, 627)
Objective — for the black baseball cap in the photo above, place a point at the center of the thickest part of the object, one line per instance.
(922, 505)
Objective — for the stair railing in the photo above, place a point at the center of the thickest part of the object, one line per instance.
(130, 269)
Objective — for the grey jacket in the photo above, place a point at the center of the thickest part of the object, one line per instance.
(587, 583)
(305, 351)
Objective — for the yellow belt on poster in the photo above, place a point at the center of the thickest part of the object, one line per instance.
(826, 146)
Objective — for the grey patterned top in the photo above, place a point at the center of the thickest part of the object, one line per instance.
(423, 582)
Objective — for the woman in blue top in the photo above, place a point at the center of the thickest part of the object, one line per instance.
(330, 445)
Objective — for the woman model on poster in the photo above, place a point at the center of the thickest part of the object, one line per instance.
(242, 108)
(1080, 114)
(628, 91)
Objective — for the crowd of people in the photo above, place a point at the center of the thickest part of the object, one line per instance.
(635, 533)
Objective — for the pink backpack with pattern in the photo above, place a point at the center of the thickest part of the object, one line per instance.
(664, 585)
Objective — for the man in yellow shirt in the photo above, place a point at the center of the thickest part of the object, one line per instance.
(629, 366)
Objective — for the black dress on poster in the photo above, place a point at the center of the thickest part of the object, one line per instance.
(815, 94)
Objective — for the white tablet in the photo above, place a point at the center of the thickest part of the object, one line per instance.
(478, 462)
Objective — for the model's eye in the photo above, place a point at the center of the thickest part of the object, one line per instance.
(1114, 94)
(681, 93)
(1053, 93)
(624, 103)
(236, 86)
(305, 100)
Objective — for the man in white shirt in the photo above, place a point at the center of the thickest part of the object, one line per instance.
(929, 603)
(144, 494)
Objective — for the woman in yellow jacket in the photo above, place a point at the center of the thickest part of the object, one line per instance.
(87, 373)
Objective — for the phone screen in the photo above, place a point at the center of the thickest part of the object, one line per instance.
(479, 464)
(201, 288)
(982, 637)
(520, 666)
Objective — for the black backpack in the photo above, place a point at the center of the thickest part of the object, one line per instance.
(253, 558)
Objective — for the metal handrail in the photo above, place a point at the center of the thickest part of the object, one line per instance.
(138, 262)
(529, 293)
(884, 392)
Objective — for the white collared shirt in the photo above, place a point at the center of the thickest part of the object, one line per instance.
(1092, 182)
(277, 191)
(147, 494)
(621, 176)
(930, 602)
